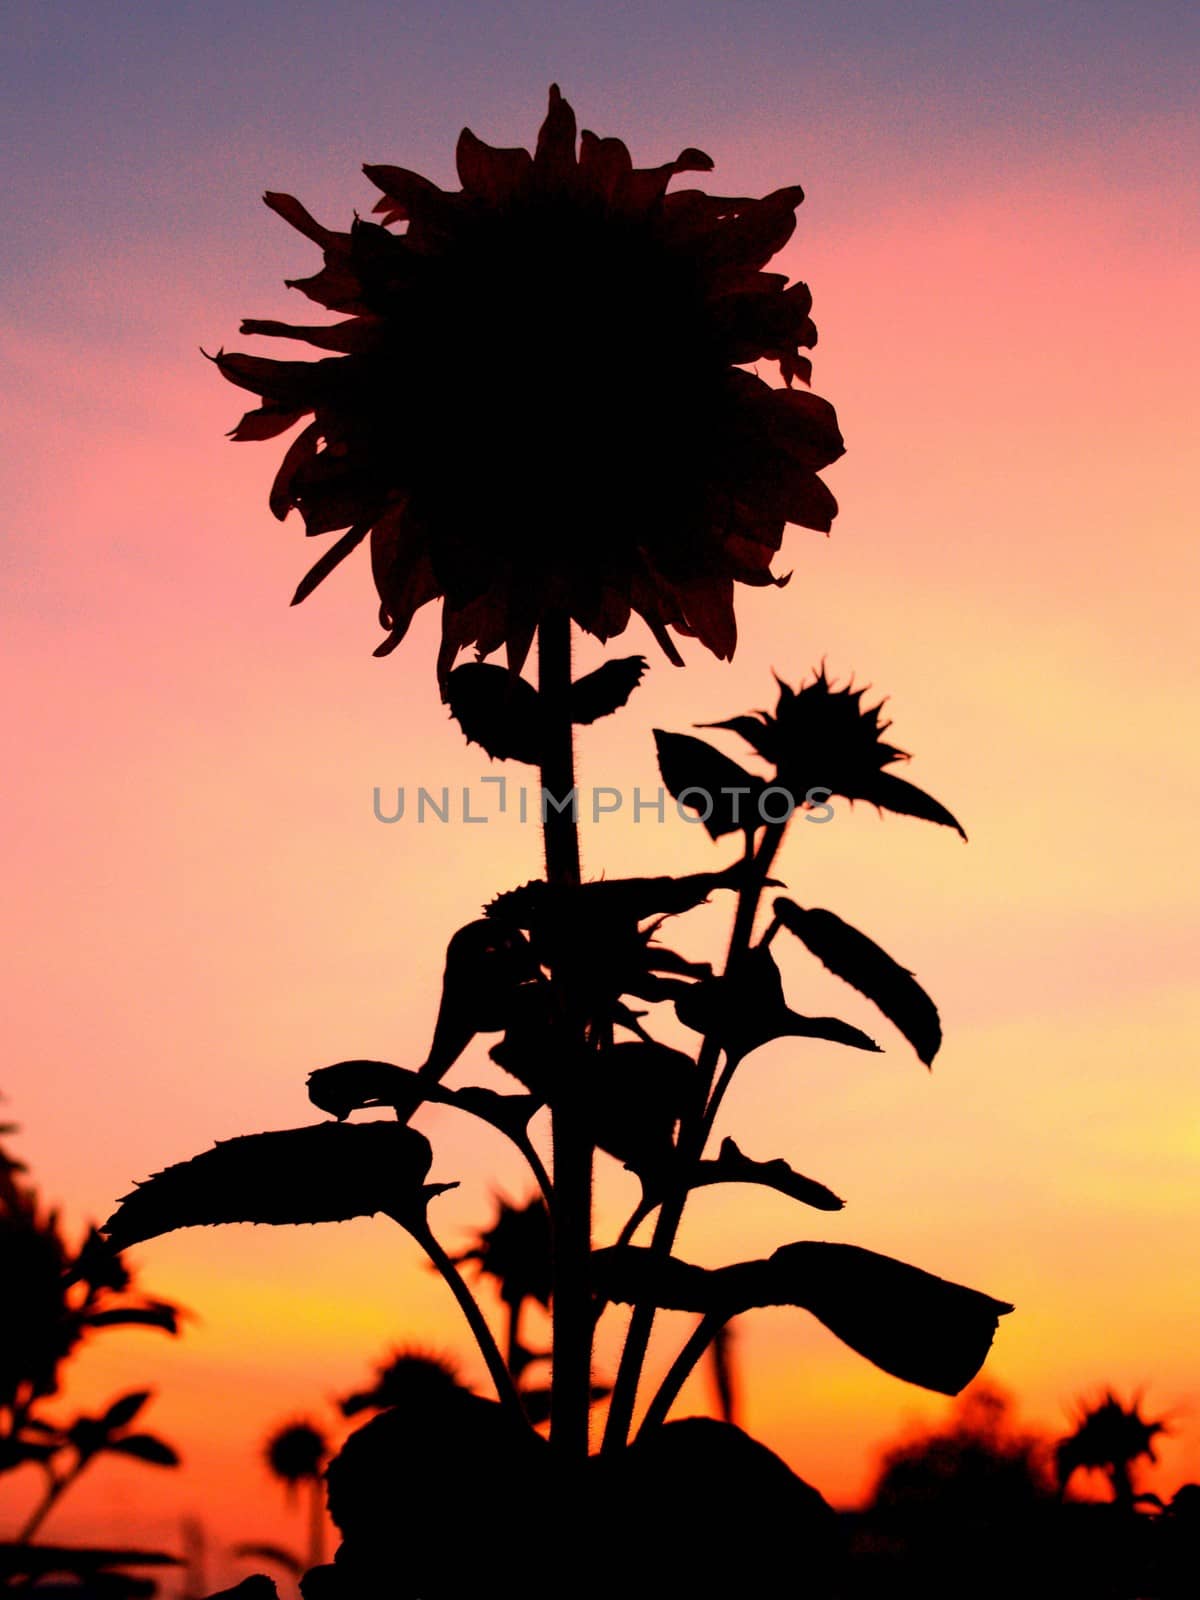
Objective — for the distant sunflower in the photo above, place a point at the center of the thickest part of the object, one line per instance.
(824, 739)
(539, 400)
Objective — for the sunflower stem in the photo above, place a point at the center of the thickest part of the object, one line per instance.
(571, 1211)
(681, 1368)
(506, 1389)
(692, 1138)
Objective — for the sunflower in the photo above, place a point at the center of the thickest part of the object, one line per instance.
(539, 402)
(823, 739)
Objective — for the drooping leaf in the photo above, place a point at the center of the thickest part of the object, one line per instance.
(144, 1447)
(497, 709)
(607, 689)
(914, 1325)
(122, 1412)
(724, 795)
(859, 961)
(910, 1323)
(732, 1166)
(747, 1008)
(325, 1173)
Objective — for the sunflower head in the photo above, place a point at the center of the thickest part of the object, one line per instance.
(515, 1251)
(296, 1452)
(539, 402)
(823, 740)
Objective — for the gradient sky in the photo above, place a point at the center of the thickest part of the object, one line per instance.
(1002, 238)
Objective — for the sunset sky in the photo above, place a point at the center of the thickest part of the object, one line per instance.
(1002, 239)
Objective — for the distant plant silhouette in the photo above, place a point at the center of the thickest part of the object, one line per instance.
(411, 1378)
(487, 421)
(296, 1456)
(57, 1297)
(979, 1465)
(1109, 1438)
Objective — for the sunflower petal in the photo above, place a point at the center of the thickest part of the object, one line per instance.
(300, 452)
(332, 558)
(554, 158)
(603, 163)
(488, 173)
(266, 423)
(354, 337)
(290, 209)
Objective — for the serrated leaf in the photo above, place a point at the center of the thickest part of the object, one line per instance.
(732, 1166)
(122, 1412)
(747, 1009)
(606, 690)
(497, 709)
(859, 961)
(144, 1447)
(326, 1173)
(699, 777)
(897, 794)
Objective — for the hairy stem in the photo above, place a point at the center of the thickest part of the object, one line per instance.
(506, 1389)
(701, 1337)
(571, 1211)
(692, 1139)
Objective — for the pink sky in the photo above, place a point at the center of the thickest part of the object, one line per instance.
(201, 907)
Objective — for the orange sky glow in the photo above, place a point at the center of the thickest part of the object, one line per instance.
(201, 907)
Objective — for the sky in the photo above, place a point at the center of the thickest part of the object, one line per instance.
(1001, 237)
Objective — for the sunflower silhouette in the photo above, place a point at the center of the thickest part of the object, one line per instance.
(538, 402)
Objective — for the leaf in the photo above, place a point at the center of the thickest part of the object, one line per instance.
(890, 793)
(731, 1166)
(355, 1085)
(627, 1274)
(918, 1327)
(144, 1447)
(607, 689)
(20, 1452)
(326, 1173)
(747, 1009)
(726, 796)
(332, 558)
(349, 1086)
(155, 1315)
(859, 961)
(910, 1323)
(123, 1411)
(637, 1093)
(497, 709)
